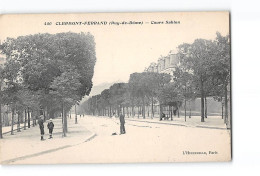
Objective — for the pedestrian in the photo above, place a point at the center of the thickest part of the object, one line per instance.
(40, 122)
(114, 124)
(50, 126)
(122, 123)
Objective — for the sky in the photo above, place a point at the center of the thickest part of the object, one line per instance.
(124, 49)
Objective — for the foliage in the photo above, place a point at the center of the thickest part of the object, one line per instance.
(48, 71)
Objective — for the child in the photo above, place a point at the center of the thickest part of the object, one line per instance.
(50, 127)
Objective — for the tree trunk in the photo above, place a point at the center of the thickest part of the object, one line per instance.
(143, 108)
(148, 111)
(7, 113)
(3, 116)
(25, 119)
(226, 106)
(202, 101)
(76, 118)
(12, 123)
(29, 118)
(138, 111)
(206, 107)
(33, 117)
(152, 109)
(161, 110)
(21, 119)
(171, 112)
(18, 121)
(222, 110)
(63, 120)
(190, 109)
(185, 108)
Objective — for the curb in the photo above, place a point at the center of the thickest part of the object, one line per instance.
(174, 124)
(215, 128)
(92, 136)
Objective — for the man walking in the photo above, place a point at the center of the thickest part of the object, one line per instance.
(122, 123)
(40, 122)
(50, 127)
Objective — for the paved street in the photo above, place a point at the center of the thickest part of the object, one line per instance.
(143, 142)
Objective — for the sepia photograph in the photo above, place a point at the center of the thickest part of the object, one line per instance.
(115, 88)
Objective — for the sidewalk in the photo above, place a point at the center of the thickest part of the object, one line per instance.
(212, 122)
(27, 143)
(7, 129)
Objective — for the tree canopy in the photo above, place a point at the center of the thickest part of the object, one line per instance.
(203, 70)
(49, 69)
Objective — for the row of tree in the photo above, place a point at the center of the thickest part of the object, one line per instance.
(46, 73)
(203, 71)
(142, 89)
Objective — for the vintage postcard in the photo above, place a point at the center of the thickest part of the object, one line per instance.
(115, 88)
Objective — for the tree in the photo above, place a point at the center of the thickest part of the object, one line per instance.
(152, 80)
(64, 88)
(139, 88)
(10, 94)
(221, 70)
(117, 92)
(171, 96)
(146, 86)
(105, 97)
(89, 106)
(1, 125)
(41, 62)
(197, 58)
(183, 81)
(159, 81)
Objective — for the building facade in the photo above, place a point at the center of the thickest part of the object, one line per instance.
(165, 64)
